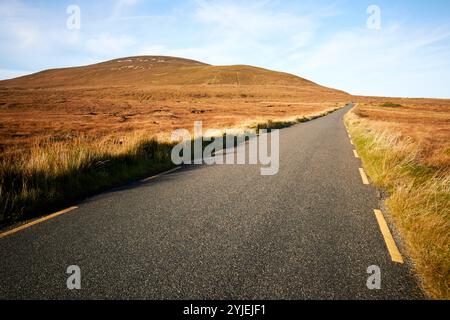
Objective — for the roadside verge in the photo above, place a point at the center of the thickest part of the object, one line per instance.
(55, 175)
(418, 202)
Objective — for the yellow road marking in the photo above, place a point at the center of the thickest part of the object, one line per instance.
(56, 214)
(27, 225)
(364, 176)
(388, 239)
(160, 175)
(352, 142)
(356, 154)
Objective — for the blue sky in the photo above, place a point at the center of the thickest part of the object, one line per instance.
(325, 41)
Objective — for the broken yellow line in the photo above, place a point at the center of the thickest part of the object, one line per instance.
(364, 176)
(388, 238)
(30, 224)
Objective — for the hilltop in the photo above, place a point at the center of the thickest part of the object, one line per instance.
(158, 70)
(154, 94)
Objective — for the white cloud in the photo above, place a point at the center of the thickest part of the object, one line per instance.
(108, 45)
(8, 8)
(250, 19)
(302, 39)
(247, 32)
(368, 62)
(9, 74)
(152, 50)
(312, 42)
(122, 5)
(25, 35)
(19, 32)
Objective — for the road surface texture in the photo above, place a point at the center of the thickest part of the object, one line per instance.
(220, 232)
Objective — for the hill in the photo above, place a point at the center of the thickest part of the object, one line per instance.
(71, 132)
(157, 70)
(154, 94)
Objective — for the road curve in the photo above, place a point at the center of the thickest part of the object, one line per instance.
(220, 232)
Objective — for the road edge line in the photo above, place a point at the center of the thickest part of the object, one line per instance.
(161, 174)
(364, 176)
(388, 238)
(35, 222)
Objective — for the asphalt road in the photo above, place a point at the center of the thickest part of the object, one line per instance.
(220, 232)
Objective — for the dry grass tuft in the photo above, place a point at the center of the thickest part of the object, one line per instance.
(51, 174)
(70, 132)
(419, 199)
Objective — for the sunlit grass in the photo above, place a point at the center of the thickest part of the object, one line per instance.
(419, 198)
(51, 174)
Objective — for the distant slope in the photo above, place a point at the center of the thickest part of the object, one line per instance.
(158, 70)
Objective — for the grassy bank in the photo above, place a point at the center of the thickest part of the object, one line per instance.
(419, 198)
(284, 124)
(54, 174)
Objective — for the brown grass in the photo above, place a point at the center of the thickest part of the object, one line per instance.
(425, 121)
(70, 132)
(155, 94)
(405, 151)
(51, 174)
(29, 116)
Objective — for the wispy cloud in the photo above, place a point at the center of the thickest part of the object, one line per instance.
(327, 43)
(249, 19)
(106, 44)
(121, 6)
(248, 31)
(355, 58)
(8, 74)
